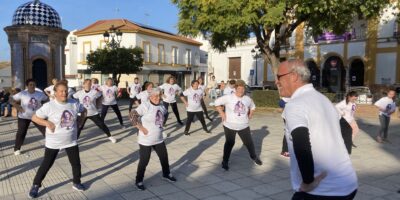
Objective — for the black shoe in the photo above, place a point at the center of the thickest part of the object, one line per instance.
(140, 186)
(164, 123)
(258, 161)
(169, 178)
(78, 187)
(180, 123)
(225, 165)
(34, 192)
(207, 131)
(186, 133)
(353, 145)
(210, 119)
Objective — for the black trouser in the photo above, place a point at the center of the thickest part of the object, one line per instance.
(245, 135)
(203, 105)
(306, 196)
(115, 107)
(174, 109)
(145, 152)
(347, 134)
(23, 125)
(284, 145)
(50, 156)
(131, 102)
(96, 119)
(190, 117)
(383, 131)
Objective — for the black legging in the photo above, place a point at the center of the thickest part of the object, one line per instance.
(96, 119)
(383, 131)
(190, 117)
(23, 125)
(50, 156)
(284, 145)
(347, 134)
(145, 152)
(203, 105)
(115, 107)
(247, 140)
(131, 102)
(174, 109)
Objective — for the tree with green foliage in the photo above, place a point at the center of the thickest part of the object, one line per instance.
(116, 61)
(228, 22)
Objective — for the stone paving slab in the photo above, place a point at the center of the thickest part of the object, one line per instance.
(109, 170)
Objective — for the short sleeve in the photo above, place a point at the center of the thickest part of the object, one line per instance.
(98, 95)
(221, 101)
(178, 88)
(43, 112)
(379, 103)
(17, 97)
(252, 105)
(76, 95)
(186, 92)
(161, 86)
(295, 117)
(48, 89)
(141, 109)
(139, 96)
(43, 97)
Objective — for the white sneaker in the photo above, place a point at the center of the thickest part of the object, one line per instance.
(112, 139)
(17, 152)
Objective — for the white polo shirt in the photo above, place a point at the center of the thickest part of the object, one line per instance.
(170, 92)
(194, 99)
(346, 110)
(309, 108)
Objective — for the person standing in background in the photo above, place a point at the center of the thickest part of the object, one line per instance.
(109, 92)
(133, 90)
(387, 107)
(49, 91)
(203, 104)
(169, 90)
(348, 124)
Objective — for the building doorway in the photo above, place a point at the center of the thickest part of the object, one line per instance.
(356, 73)
(333, 74)
(315, 73)
(234, 68)
(39, 73)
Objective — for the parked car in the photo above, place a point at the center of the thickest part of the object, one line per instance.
(364, 94)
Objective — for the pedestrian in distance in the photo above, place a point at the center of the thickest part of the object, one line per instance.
(348, 124)
(203, 104)
(144, 95)
(133, 90)
(387, 107)
(49, 91)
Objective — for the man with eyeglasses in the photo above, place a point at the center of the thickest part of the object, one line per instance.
(320, 167)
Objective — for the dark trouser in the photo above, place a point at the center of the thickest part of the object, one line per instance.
(48, 161)
(347, 134)
(384, 121)
(96, 119)
(145, 152)
(203, 105)
(174, 109)
(245, 135)
(115, 107)
(190, 117)
(284, 145)
(131, 102)
(306, 196)
(23, 125)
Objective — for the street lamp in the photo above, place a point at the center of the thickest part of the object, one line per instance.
(256, 53)
(116, 37)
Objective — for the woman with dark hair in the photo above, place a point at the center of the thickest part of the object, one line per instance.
(170, 89)
(133, 90)
(61, 117)
(144, 95)
(203, 105)
(348, 124)
(109, 92)
(193, 106)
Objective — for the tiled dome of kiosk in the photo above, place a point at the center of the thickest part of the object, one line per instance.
(36, 13)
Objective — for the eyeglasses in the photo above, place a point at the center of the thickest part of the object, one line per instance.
(279, 76)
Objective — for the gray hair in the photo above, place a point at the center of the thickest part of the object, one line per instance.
(299, 67)
(155, 91)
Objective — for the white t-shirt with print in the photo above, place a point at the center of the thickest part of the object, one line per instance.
(143, 96)
(134, 90)
(109, 94)
(309, 108)
(170, 92)
(64, 117)
(152, 118)
(346, 110)
(228, 90)
(386, 103)
(194, 99)
(50, 90)
(88, 100)
(30, 102)
(236, 110)
(95, 87)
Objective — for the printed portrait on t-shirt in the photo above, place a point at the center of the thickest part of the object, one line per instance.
(67, 120)
(109, 93)
(353, 108)
(171, 91)
(240, 109)
(137, 89)
(86, 101)
(388, 108)
(196, 98)
(33, 104)
(159, 118)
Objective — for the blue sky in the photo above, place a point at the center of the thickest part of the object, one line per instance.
(77, 14)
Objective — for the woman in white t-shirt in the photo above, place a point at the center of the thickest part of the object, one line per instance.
(27, 102)
(169, 90)
(88, 98)
(149, 118)
(61, 117)
(386, 107)
(239, 109)
(134, 90)
(348, 124)
(193, 106)
(143, 96)
(50, 90)
(230, 89)
(203, 104)
(109, 92)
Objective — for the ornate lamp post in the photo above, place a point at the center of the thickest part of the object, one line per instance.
(116, 37)
(256, 53)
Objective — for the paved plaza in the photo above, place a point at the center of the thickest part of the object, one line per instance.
(108, 170)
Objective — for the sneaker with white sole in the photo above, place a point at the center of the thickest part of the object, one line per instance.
(169, 178)
(78, 187)
(112, 139)
(17, 152)
(140, 186)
